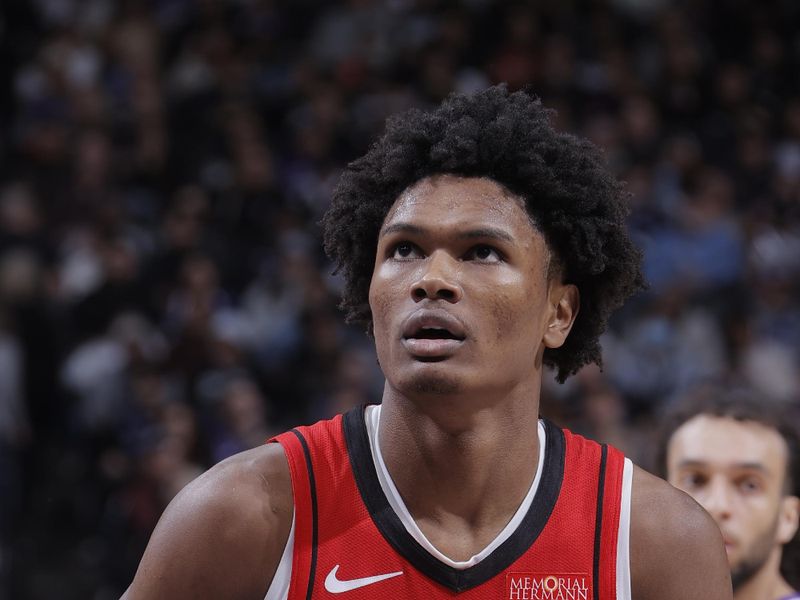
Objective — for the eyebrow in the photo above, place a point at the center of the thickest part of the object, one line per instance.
(478, 233)
(746, 465)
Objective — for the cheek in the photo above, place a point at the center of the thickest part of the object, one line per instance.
(504, 316)
(508, 329)
(516, 312)
(759, 509)
(380, 303)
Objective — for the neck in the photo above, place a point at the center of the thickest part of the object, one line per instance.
(767, 583)
(459, 469)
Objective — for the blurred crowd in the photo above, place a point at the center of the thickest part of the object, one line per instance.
(164, 298)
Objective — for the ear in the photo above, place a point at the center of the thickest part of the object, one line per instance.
(565, 302)
(788, 519)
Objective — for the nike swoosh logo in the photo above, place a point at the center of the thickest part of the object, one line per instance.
(336, 586)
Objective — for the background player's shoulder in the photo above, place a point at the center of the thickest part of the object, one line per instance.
(676, 548)
(224, 533)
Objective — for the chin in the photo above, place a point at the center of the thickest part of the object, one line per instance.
(434, 384)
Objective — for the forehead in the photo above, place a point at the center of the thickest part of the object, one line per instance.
(723, 442)
(453, 200)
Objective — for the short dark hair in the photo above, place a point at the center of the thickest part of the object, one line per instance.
(568, 191)
(742, 403)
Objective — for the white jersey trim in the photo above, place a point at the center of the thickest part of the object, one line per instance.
(624, 535)
(399, 507)
(279, 588)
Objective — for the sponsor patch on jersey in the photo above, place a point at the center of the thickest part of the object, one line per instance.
(548, 586)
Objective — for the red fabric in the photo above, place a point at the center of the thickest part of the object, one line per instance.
(303, 526)
(348, 537)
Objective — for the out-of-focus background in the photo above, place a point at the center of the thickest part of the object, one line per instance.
(164, 299)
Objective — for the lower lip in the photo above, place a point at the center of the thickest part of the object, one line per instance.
(426, 348)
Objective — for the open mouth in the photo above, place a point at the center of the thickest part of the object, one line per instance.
(434, 333)
(432, 336)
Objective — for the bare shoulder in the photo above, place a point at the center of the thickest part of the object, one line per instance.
(676, 547)
(223, 535)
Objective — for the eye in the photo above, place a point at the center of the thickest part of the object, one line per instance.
(749, 485)
(691, 481)
(483, 253)
(404, 251)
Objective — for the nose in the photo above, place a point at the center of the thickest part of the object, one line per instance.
(717, 500)
(438, 279)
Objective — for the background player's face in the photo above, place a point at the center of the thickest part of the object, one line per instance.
(462, 253)
(736, 470)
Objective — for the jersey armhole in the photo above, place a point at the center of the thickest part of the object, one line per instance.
(279, 588)
(299, 556)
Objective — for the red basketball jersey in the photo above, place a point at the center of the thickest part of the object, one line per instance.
(348, 541)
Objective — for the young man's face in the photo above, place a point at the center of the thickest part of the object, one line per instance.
(460, 295)
(736, 470)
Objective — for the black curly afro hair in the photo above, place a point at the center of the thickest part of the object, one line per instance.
(569, 193)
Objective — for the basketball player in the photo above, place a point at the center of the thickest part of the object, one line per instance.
(478, 246)
(739, 457)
